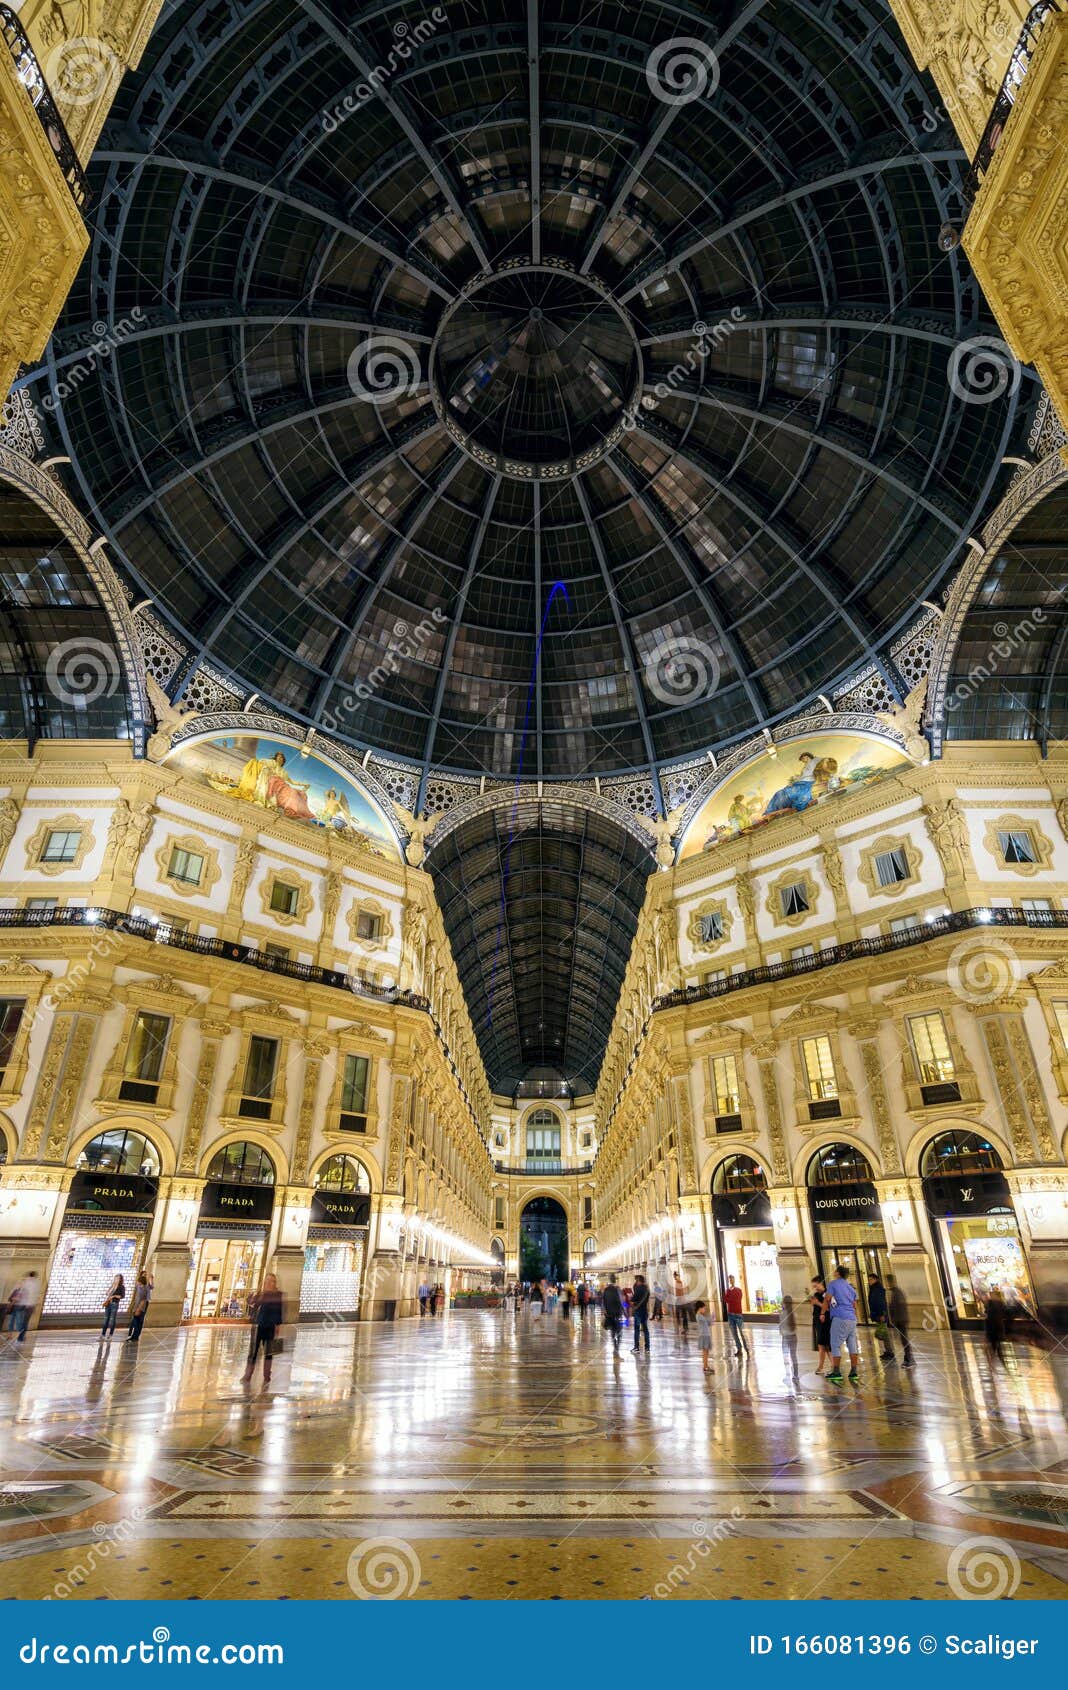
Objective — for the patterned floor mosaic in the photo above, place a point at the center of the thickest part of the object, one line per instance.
(476, 1456)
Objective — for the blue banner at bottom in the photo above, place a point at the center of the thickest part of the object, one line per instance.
(780, 1642)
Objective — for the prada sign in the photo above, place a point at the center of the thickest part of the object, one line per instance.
(967, 1194)
(838, 1203)
(224, 1201)
(340, 1208)
(751, 1209)
(111, 1194)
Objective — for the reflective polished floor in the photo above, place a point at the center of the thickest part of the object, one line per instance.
(485, 1456)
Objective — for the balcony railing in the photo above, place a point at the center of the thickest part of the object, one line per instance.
(544, 1165)
(1019, 65)
(31, 76)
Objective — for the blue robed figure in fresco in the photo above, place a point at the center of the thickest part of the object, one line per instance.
(797, 794)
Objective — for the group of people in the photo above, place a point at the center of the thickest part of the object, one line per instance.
(116, 1296)
(834, 1322)
(430, 1296)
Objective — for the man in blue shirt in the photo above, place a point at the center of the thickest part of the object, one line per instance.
(840, 1303)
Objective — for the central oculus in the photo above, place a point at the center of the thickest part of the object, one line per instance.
(535, 371)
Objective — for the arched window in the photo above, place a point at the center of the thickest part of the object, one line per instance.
(342, 1173)
(543, 1136)
(958, 1152)
(3, 1149)
(121, 1152)
(739, 1174)
(243, 1163)
(839, 1164)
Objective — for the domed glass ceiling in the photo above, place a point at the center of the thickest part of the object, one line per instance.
(414, 315)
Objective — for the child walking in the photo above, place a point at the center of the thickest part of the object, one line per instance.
(703, 1322)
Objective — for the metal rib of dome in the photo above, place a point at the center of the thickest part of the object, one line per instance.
(296, 205)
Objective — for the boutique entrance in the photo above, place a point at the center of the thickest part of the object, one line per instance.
(846, 1218)
(224, 1274)
(231, 1239)
(975, 1228)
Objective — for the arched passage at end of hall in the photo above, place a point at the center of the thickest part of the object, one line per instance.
(543, 1241)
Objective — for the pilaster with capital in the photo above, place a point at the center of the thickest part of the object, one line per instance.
(865, 1030)
(212, 1033)
(767, 1055)
(1019, 1088)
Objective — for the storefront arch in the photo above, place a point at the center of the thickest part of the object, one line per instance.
(972, 1214)
(809, 1151)
(158, 1141)
(746, 1253)
(247, 1135)
(339, 1170)
(921, 1140)
(847, 1221)
(121, 1148)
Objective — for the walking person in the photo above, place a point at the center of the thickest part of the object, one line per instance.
(21, 1303)
(583, 1299)
(567, 1291)
(995, 1321)
(900, 1318)
(424, 1298)
(840, 1302)
(142, 1296)
(267, 1313)
(658, 1300)
(432, 1300)
(537, 1300)
(116, 1293)
(682, 1312)
(612, 1304)
(879, 1309)
(788, 1337)
(732, 1299)
(703, 1322)
(639, 1303)
(821, 1326)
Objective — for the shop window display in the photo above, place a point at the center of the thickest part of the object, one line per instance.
(332, 1275)
(85, 1265)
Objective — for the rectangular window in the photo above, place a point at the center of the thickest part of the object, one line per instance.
(587, 1141)
(904, 924)
(498, 1213)
(587, 1213)
(10, 1021)
(800, 952)
(42, 904)
(354, 1094)
(144, 1058)
(711, 928)
(725, 1084)
(715, 976)
(1017, 847)
(257, 1090)
(186, 866)
(930, 1042)
(175, 923)
(819, 1068)
(794, 899)
(891, 866)
(280, 953)
(368, 926)
(284, 898)
(1037, 906)
(61, 846)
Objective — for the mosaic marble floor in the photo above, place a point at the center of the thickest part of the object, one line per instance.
(476, 1456)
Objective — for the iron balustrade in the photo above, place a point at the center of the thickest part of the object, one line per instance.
(534, 1166)
(1019, 65)
(31, 76)
(161, 933)
(958, 921)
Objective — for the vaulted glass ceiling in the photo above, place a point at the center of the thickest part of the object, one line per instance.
(319, 233)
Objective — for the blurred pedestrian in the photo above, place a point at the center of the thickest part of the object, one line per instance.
(788, 1337)
(640, 1307)
(732, 1299)
(612, 1304)
(900, 1318)
(879, 1309)
(703, 1322)
(267, 1316)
